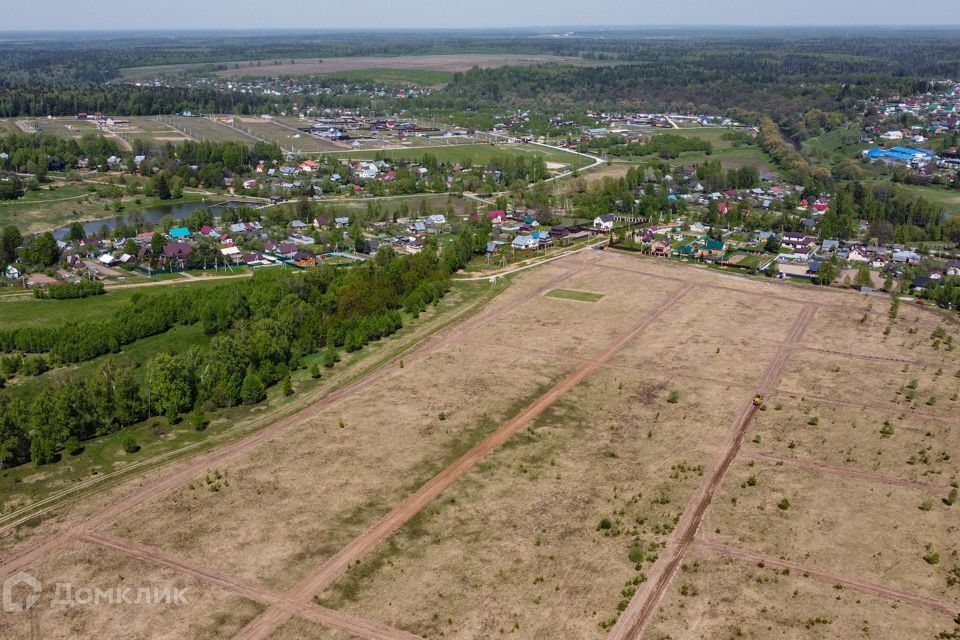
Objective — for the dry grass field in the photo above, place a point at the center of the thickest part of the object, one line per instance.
(581, 464)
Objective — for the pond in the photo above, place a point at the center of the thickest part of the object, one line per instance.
(149, 216)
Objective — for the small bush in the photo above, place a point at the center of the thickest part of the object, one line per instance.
(315, 371)
(783, 505)
(129, 444)
(673, 397)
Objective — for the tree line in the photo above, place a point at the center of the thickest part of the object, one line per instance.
(260, 331)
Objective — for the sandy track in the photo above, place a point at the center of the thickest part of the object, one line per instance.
(97, 520)
(266, 624)
(922, 602)
(856, 474)
(334, 619)
(635, 618)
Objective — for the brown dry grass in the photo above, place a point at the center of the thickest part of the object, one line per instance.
(516, 546)
(846, 437)
(324, 483)
(729, 599)
(872, 532)
(207, 614)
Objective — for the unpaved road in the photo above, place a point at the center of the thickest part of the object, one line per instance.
(635, 618)
(15, 563)
(334, 619)
(265, 625)
(922, 602)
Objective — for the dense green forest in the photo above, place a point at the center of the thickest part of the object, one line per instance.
(261, 329)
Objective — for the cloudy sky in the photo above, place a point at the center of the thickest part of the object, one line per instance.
(211, 14)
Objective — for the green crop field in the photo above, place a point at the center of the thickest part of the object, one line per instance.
(204, 129)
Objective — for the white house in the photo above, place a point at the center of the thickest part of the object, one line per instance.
(604, 222)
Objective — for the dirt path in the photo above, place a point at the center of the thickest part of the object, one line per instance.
(11, 565)
(635, 618)
(888, 408)
(922, 602)
(263, 627)
(857, 474)
(327, 617)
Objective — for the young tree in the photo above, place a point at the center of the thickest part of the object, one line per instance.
(252, 390)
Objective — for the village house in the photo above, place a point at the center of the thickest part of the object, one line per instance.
(604, 222)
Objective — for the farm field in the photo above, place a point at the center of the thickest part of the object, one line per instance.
(206, 129)
(477, 153)
(590, 463)
(395, 64)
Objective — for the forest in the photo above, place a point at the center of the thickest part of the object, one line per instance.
(260, 330)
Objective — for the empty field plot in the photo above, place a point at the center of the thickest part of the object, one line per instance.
(867, 330)
(579, 296)
(274, 513)
(716, 334)
(849, 438)
(287, 137)
(66, 128)
(723, 598)
(202, 612)
(545, 537)
(928, 389)
(300, 629)
(206, 129)
(899, 537)
(552, 325)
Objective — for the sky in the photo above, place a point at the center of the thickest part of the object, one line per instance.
(69, 15)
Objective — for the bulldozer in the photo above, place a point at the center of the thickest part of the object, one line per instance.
(757, 400)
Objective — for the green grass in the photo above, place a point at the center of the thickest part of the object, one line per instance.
(41, 313)
(833, 145)
(418, 77)
(22, 485)
(580, 296)
(475, 153)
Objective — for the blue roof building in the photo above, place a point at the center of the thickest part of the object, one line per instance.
(179, 232)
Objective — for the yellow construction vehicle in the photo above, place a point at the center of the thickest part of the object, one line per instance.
(757, 400)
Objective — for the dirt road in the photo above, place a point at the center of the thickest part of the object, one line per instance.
(635, 618)
(263, 627)
(11, 565)
(857, 474)
(922, 602)
(334, 619)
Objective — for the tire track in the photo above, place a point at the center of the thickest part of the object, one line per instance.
(856, 474)
(97, 520)
(266, 624)
(637, 615)
(887, 409)
(344, 622)
(921, 602)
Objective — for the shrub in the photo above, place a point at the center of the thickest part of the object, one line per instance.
(783, 505)
(814, 421)
(673, 397)
(315, 371)
(605, 525)
(129, 444)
